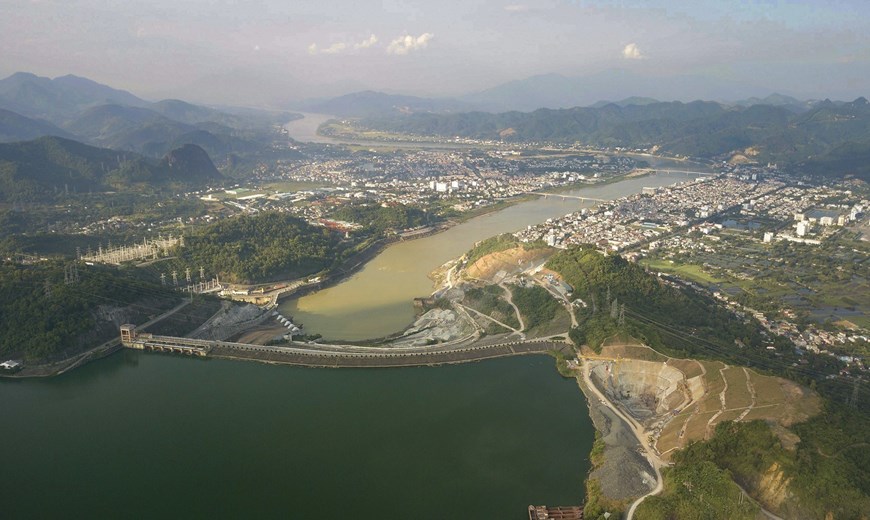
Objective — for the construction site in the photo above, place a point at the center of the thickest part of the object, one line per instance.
(678, 401)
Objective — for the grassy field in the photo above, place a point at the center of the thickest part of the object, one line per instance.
(613, 349)
(670, 436)
(768, 390)
(689, 271)
(737, 395)
(696, 428)
(776, 400)
(714, 384)
(288, 186)
(689, 367)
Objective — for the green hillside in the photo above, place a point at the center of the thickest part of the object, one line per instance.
(259, 248)
(698, 129)
(42, 318)
(41, 169)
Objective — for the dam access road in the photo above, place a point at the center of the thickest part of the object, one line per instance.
(326, 355)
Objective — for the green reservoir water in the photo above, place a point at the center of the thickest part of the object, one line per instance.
(141, 435)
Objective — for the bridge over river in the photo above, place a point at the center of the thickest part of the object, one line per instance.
(325, 355)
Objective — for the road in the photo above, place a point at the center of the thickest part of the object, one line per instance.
(510, 300)
(490, 318)
(638, 432)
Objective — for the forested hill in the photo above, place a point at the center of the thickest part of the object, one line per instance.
(700, 129)
(42, 318)
(681, 322)
(826, 474)
(40, 169)
(264, 247)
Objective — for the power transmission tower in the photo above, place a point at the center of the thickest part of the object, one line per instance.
(851, 401)
(163, 278)
(47, 289)
(622, 315)
(175, 278)
(187, 274)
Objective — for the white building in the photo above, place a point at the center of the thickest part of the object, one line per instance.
(803, 228)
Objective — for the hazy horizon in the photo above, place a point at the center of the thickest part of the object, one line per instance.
(270, 53)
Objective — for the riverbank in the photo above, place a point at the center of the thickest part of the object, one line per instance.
(358, 261)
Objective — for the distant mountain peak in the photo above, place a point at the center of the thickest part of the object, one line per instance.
(190, 162)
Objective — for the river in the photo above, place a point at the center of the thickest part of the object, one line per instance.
(153, 435)
(377, 300)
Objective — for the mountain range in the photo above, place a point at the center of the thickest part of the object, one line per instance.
(825, 135)
(764, 133)
(78, 108)
(37, 170)
(557, 91)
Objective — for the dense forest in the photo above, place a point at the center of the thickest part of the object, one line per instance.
(380, 219)
(609, 283)
(44, 318)
(264, 247)
(683, 322)
(828, 469)
(44, 168)
(536, 305)
(827, 472)
(825, 136)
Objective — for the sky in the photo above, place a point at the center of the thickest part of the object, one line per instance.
(272, 52)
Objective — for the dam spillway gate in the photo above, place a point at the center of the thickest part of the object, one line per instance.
(326, 355)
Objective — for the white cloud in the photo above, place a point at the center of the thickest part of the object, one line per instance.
(365, 44)
(341, 47)
(335, 48)
(516, 8)
(405, 44)
(632, 52)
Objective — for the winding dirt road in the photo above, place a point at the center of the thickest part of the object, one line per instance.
(638, 432)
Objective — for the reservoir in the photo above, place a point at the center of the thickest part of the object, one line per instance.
(145, 435)
(152, 435)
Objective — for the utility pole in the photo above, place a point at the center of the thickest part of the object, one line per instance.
(201, 273)
(854, 398)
